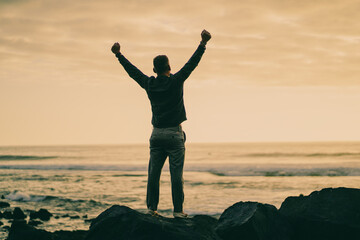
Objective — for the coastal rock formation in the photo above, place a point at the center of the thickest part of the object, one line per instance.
(252, 221)
(18, 214)
(4, 204)
(332, 213)
(7, 214)
(42, 214)
(121, 222)
(327, 214)
(21, 231)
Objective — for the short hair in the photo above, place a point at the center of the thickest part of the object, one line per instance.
(161, 64)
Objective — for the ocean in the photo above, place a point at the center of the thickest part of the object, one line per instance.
(76, 183)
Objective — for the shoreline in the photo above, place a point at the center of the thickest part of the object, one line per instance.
(325, 213)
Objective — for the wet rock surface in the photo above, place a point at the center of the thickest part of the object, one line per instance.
(4, 204)
(332, 213)
(121, 222)
(18, 213)
(42, 214)
(326, 214)
(252, 220)
(21, 231)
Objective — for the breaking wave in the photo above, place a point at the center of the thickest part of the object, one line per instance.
(315, 154)
(24, 157)
(25, 197)
(289, 172)
(230, 170)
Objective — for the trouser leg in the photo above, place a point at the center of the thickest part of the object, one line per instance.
(176, 160)
(156, 163)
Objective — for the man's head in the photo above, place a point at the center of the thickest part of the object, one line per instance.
(161, 65)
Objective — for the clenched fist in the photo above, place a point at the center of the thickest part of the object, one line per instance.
(115, 48)
(205, 36)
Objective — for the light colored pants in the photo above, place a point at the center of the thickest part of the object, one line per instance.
(166, 142)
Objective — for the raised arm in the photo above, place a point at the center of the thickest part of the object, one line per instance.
(185, 71)
(133, 71)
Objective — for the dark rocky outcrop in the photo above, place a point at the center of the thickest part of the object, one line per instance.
(8, 214)
(21, 231)
(252, 221)
(35, 222)
(120, 222)
(326, 214)
(4, 204)
(69, 235)
(18, 213)
(42, 214)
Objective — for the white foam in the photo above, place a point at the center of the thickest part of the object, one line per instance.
(18, 196)
(23, 197)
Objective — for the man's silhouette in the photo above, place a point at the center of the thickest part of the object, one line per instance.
(165, 92)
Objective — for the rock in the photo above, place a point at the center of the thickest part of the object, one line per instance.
(7, 214)
(7, 228)
(74, 217)
(252, 221)
(89, 220)
(21, 231)
(35, 222)
(4, 204)
(1, 215)
(1, 223)
(85, 216)
(18, 221)
(121, 222)
(69, 235)
(332, 213)
(42, 214)
(18, 214)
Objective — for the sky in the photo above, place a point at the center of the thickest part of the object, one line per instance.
(274, 70)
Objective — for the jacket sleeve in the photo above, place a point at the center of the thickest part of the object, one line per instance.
(187, 69)
(133, 71)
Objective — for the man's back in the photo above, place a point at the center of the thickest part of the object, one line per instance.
(165, 93)
(167, 103)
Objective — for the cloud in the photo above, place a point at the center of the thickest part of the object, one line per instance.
(298, 42)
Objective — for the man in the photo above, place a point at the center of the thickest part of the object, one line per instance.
(165, 92)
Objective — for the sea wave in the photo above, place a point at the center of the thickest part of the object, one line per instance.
(314, 154)
(224, 170)
(20, 196)
(24, 157)
(74, 167)
(24, 197)
(288, 172)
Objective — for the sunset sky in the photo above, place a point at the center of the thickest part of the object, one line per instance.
(275, 70)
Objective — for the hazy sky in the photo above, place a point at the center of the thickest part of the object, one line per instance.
(275, 70)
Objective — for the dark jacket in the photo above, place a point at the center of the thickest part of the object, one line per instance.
(165, 93)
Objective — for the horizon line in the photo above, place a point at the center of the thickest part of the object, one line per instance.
(220, 142)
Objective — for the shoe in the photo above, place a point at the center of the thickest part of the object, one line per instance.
(180, 215)
(153, 213)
